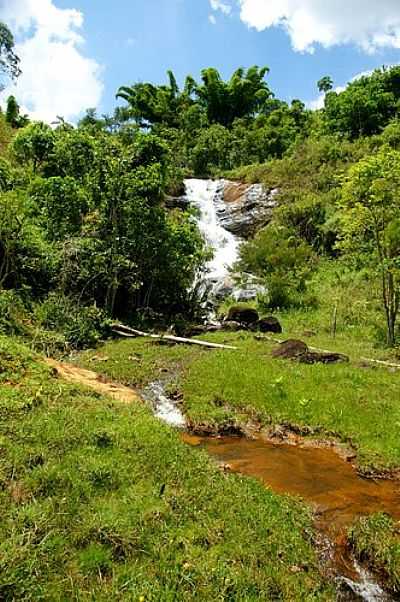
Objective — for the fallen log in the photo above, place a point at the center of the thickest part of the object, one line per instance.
(126, 331)
(380, 363)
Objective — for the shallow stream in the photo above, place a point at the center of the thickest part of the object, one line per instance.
(326, 481)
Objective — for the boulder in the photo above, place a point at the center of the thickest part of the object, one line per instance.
(231, 326)
(313, 357)
(223, 288)
(244, 208)
(243, 315)
(290, 349)
(298, 350)
(269, 324)
(248, 292)
(176, 202)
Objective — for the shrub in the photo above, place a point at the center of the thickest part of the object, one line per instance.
(81, 326)
(12, 313)
(284, 261)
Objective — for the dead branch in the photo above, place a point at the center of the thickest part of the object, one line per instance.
(126, 331)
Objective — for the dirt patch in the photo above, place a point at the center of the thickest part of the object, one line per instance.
(94, 381)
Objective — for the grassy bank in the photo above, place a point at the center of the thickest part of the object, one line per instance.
(376, 540)
(99, 501)
(219, 387)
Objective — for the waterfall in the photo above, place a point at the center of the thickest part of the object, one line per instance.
(202, 194)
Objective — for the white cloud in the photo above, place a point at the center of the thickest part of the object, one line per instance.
(369, 24)
(225, 8)
(57, 78)
(212, 19)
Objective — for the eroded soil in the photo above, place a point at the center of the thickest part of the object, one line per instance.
(94, 381)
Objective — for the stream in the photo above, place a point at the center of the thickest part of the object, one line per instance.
(337, 494)
(313, 472)
(316, 474)
(328, 483)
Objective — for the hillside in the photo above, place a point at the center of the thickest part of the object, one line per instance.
(104, 228)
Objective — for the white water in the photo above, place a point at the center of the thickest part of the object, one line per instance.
(366, 589)
(164, 408)
(201, 194)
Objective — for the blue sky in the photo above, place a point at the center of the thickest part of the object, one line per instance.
(78, 52)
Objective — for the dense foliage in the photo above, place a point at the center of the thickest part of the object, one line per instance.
(216, 124)
(82, 221)
(83, 213)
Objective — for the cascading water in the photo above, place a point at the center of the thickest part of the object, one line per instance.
(202, 194)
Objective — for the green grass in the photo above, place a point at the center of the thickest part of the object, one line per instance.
(360, 404)
(220, 387)
(376, 540)
(100, 501)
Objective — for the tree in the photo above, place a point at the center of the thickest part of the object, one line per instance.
(151, 104)
(34, 144)
(325, 84)
(370, 225)
(9, 61)
(25, 259)
(13, 116)
(60, 205)
(366, 106)
(245, 94)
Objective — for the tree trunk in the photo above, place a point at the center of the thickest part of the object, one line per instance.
(391, 309)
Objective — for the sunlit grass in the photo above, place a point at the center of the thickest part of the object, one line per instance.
(100, 501)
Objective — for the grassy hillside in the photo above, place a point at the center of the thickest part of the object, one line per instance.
(101, 501)
(358, 403)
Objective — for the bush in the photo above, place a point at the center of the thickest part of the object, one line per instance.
(81, 326)
(12, 313)
(283, 261)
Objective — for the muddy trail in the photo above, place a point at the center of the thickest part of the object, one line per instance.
(320, 475)
(93, 380)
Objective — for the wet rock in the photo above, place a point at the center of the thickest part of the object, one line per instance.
(244, 208)
(222, 289)
(243, 315)
(231, 326)
(176, 202)
(290, 349)
(313, 357)
(248, 292)
(269, 324)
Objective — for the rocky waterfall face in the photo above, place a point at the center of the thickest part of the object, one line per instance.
(205, 196)
(228, 212)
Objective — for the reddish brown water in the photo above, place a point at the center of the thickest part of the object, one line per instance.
(320, 477)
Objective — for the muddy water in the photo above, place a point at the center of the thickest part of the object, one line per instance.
(320, 477)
